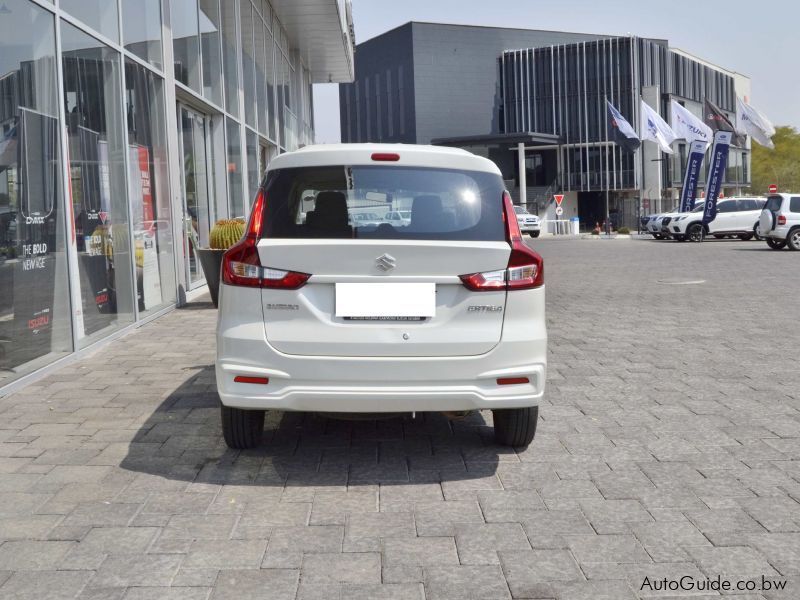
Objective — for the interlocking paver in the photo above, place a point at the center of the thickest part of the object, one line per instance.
(233, 584)
(525, 571)
(460, 582)
(666, 447)
(225, 554)
(351, 567)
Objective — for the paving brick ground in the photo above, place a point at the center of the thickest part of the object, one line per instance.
(668, 446)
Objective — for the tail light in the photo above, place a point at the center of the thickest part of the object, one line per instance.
(241, 265)
(525, 268)
(781, 219)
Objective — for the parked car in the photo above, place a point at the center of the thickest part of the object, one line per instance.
(398, 218)
(779, 222)
(528, 223)
(735, 217)
(653, 226)
(657, 225)
(365, 219)
(447, 314)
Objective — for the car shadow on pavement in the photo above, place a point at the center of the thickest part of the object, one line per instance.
(182, 440)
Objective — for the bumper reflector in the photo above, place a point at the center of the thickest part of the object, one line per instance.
(512, 380)
(245, 379)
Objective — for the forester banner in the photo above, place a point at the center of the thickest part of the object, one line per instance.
(689, 190)
(716, 174)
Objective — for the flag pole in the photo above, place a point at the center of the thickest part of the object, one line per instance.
(608, 178)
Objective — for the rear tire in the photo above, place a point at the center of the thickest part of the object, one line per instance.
(793, 239)
(776, 244)
(695, 232)
(515, 426)
(242, 428)
(746, 236)
(658, 236)
(533, 234)
(756, 235)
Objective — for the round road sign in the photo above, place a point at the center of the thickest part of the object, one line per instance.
(559, 211)
(773, 189)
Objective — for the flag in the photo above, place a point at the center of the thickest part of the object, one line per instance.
(718, 121)
(654, 128)
(687, 126)
(621, 131)
(753, 123)
(716, 174)
(689, 189)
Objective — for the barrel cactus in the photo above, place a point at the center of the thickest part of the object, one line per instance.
(225, 233)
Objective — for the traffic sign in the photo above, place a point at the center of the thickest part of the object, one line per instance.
(559, 198)
(773, 189)
(559, 211)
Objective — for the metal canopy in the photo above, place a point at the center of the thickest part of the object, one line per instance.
(320, 30)
(527, 138)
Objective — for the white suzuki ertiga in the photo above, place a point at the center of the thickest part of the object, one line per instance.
(323, 311)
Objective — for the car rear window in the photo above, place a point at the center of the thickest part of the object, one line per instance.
(794, 204)
(359, 202)
(774, 203)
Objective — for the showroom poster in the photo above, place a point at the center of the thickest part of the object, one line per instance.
(34, 268)
(90, 162)
(148, 214)
(151, 276)
(148, 276)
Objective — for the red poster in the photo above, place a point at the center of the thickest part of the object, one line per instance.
(147, 195)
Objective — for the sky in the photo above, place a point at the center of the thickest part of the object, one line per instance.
(758, 39)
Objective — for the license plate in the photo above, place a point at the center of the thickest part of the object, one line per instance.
(385, 301)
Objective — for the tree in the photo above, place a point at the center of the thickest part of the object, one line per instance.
(780, 166)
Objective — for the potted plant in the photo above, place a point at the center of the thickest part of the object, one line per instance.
(224, 234)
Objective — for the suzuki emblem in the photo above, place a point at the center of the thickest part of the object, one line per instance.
(385, 262)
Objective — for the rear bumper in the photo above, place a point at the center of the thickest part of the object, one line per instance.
(375, 384)
(781, 232)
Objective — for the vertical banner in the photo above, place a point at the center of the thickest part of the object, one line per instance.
(716, 173)
(689, 190)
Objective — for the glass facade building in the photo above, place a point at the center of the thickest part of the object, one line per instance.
(127, 127)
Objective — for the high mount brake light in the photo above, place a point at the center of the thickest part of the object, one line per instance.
(525, 269)
(241, 265)
(385, 156)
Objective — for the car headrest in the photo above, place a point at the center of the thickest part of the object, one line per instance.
(426, 213)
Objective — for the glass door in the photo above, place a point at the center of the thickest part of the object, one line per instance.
(193, 130)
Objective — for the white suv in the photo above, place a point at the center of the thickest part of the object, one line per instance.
(446, 313)
(780, 221)
(735, 217)
(528, 223)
